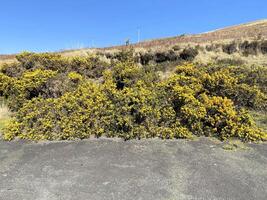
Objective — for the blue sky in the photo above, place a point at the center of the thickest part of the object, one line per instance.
(49, 25)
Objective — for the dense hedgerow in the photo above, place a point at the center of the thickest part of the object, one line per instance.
(60, 99)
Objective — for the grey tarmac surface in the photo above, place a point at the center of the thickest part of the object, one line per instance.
(106, 169)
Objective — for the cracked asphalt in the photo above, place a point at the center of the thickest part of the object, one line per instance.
(107, 169)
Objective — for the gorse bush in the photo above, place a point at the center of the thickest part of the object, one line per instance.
(252, 76)
(128, 100)
(45, 75)
(235, 84)
(26, 87)
(90, 66)
(73, 115)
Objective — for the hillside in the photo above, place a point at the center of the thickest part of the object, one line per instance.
(245, 43)
(248, 31)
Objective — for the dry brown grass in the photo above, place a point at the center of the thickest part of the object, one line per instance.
(5, 116)
(7, 59)
(4, 112)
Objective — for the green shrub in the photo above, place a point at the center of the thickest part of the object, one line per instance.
(229, 48)
(146, 57)
(188, 54)
(249, 48)
(264, 47)
(176, 48)
(124, 55)
(160, 57)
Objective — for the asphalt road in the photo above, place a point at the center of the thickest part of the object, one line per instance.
(135, 170)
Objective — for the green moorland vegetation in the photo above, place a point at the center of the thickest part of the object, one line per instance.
(56, 98)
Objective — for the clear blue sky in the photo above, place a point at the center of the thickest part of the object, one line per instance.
(49, 25)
